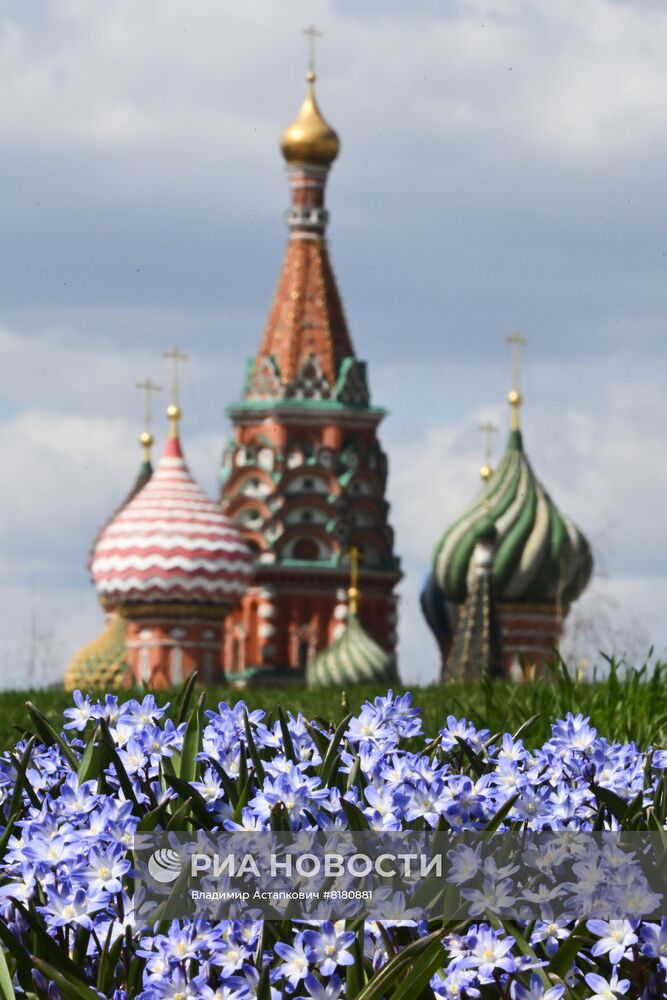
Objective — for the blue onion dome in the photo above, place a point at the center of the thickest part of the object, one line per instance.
(353, 658)
(435, 610)
(540, 555)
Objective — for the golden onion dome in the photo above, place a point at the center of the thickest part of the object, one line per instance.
(310, 139)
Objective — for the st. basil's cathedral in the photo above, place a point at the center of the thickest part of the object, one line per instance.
(291, 575)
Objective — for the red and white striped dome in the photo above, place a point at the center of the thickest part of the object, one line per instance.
(171, 543)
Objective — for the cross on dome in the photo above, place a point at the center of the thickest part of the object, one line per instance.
(353, 589)
(146, 438)
(173, 410)
(488, 429)
(514, 395)
(312, 34)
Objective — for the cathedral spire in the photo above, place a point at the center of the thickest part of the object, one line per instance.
(175, 356)
(306, 352)
(304, 475)
(146, 436)
(514, 396)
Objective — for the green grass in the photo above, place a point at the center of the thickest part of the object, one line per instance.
(628, 706)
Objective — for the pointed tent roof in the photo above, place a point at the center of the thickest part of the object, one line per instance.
(477, 650)
(306, 318)
(306, 353)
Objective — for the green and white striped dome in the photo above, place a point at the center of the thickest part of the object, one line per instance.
(353, 658)
(540, 556)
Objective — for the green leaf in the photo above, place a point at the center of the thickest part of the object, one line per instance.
(109, 752)
(87, 769)
(230, 786)
(524, 946)
(108, 961)
(319, 738)
(419, 974)
(496, 820)
(617, 806)
(525, 726)
(567, 952)
(354, 774)
(186, 791)
(48, 946)
(80, 949)
(73, 988)
(288, 745)
(476, 760)
(279, 818)
(388, 974)
(7, 832)
(177, 820)
(6, 988)
(21, 766)
(191, 741)
(264, 985)
(252, 748)
(20, 955)
(150, 822)
(183, 701)
(48, 734)
(329, 768)
(356, 976)
(355, 818)
(242, 801)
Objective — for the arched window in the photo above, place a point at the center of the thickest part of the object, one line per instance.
(176, 665)
(306, 549)
(236, 658)
(303, 653)
(144, 665)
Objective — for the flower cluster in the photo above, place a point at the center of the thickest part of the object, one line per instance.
(71, 803)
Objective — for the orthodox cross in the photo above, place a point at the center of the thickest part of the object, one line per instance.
(488, 430)
(149, 388)
(517, 342)
(353, 590)
(175, 356)
(312, 34)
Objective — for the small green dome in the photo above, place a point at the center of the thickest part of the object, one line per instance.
(540, 555)
(353, 658)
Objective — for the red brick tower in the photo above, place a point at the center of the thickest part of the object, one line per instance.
(304, 474)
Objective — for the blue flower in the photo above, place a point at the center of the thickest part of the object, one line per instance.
(295, 963)
(329, 947)
(81, 714)
(321, 991)
(536, 990)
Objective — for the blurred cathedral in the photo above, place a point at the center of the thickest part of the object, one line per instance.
(291, 576)
(506, 572)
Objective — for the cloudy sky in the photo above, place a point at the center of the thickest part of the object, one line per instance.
(502, 166)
